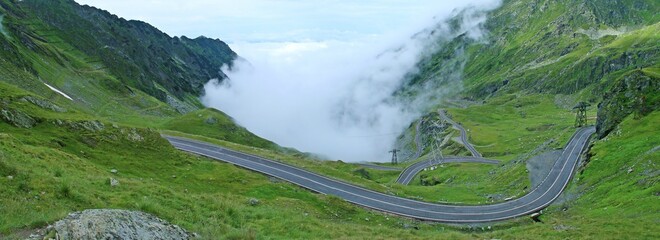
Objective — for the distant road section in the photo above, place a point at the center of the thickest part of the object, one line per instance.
(537, 199)
(464, 137)
(409, 173)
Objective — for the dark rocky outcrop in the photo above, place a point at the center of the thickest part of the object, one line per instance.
(635, 93)
(17, 118)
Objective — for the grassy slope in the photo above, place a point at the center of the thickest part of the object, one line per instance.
(215, 124)
(551, 52)
(58, 169)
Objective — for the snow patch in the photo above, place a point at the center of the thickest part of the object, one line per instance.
(58, 91)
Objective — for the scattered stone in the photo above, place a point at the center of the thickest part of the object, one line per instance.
(114, 171)
(630, 170)
(562, 227)
(366, 219)
(92, 126)
(253, 202)
(112, 224)
(10, 177)
(114, 182)
(211, 121)
(173, 176)
(133, 135)
(180, 106)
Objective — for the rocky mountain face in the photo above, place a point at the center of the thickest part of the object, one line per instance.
(636, 93)
(134, 52)
(577, 48)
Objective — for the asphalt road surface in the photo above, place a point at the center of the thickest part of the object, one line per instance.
(537, 199)
(464, 137)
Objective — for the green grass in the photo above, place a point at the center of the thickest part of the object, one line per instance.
(215, 124)
(207, 197)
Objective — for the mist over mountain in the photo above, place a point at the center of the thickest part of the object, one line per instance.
(335, 98)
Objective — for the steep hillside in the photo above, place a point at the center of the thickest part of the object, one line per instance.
(515, 93)
(557, 47)
(135, 53)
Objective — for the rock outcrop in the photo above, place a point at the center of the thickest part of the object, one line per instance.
(17, 118)
(636, 92)
(111, 224)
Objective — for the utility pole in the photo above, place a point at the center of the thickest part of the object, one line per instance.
(581, 114)
(395, 160)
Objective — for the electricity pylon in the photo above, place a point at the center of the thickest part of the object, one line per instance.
(395, 160)
(581, 114)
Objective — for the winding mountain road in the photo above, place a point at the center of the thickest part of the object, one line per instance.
(409, 173)
(464, 137)
(537, 199)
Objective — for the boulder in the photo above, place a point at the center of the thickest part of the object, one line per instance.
(112, 224)
(114, 182)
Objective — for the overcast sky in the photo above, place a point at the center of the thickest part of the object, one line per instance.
(275, 20)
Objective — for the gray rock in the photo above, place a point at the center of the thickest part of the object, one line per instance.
(253, 202)
(43, 104)
(114, 182)
(10, 177)
(211, 120)
(180, 106)
(114, 171)
(112, 224)
(132, 135)
(562, 227)
(17, 118)
(92, 126)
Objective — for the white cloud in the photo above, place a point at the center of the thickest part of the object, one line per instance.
(332, 97)
(321, 73)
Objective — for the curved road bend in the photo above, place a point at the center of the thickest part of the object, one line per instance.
(464, 137)
(537, 199)
(409, 173)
